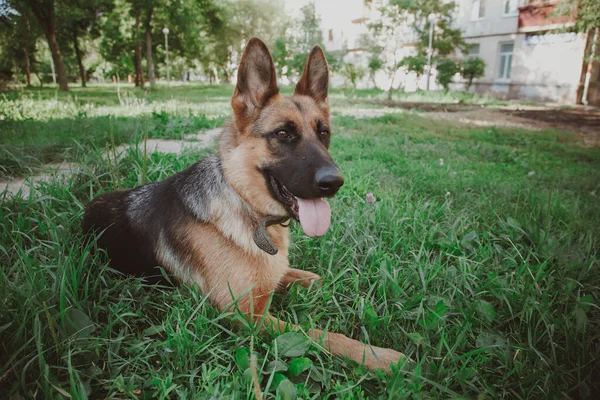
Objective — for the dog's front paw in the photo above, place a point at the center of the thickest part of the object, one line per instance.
(383, 359)
(305, 278)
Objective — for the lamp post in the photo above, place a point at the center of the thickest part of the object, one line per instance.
(432, 19)
(166, 32)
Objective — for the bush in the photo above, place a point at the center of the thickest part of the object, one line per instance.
(414, 64)
(446, 70)
(472, 68)
(352, 73)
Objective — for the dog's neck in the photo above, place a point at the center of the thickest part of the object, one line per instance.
(242, 176)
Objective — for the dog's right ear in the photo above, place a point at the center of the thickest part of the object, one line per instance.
(256, 83)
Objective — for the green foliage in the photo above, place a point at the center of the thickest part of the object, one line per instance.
(586, 12)
(414, 64)
(375, 64)
(296, 39)
(353, 73)
(446, 39)
(386, 36)
(471, 68)
(446, 68)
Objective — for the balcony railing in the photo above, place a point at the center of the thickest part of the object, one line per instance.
(541, 15)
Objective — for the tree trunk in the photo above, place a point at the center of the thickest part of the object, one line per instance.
(391, 89)
(26, 53)
(79, 60)
(39, 79)
(151, 75)
(44, 12)
(139, 72)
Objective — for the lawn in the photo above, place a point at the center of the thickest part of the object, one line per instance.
(480, 260)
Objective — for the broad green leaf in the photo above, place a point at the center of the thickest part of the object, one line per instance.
(286, 390)
(79, 323)
(486, 309)
(417, 339)
(370, 317)
(485, 339)
(469, 237)
(277, 379)
(299, 365)
(275, 366)
(292, 344)
(242, 359)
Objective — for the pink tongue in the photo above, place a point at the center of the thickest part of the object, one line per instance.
(315, 216)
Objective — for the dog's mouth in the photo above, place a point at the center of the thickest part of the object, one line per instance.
(285, 197)
(314, 214)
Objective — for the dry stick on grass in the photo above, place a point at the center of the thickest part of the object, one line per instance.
(254, 371)
(114, 151)
(145, 154)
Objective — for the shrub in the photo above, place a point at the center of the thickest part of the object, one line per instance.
(472, 68)
(446, 70)
(352, 73)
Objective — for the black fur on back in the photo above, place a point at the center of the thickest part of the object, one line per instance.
(129, 223)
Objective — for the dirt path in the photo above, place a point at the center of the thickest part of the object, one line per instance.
(25, 187)
(582, 122)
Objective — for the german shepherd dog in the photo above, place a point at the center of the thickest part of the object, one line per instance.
(221, 224)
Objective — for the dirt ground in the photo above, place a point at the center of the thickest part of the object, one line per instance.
(582, 122)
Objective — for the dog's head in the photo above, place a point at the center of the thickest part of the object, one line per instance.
(280, 145)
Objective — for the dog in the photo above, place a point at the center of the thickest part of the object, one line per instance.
(222, 223)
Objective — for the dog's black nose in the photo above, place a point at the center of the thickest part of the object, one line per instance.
(329, 180)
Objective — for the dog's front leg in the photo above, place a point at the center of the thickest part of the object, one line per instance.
(304, 278)
(372, 357)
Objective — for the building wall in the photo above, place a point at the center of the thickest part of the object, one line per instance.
(545, 66)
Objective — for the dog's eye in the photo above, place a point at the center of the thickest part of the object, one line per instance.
(282, 134)
(324, 134)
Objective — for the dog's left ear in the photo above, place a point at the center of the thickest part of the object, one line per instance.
(256, 82)
(315, 78)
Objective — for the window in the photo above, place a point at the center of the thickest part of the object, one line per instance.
(474, 50)
(506, 56)
(331, 35)
(511, 7)
(478, 9)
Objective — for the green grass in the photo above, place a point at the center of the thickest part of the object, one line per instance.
(480, 260)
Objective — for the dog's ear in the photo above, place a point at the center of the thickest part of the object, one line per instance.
(315, 78)
(256, 82)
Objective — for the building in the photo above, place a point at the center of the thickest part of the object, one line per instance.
(530, 54)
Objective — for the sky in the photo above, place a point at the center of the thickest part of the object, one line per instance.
(335, 14)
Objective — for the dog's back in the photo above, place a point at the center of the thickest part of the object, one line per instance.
(131, 223)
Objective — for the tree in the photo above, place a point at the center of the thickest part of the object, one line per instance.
(447, 68)
(18, 42)
(415, 64)
(472, 68)
(281, 56)
(374, 65)
(45, 13)
(78, 20)
(446, 39)
(387, 36)
(587, 13)
(117, 40)
(353, 73)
